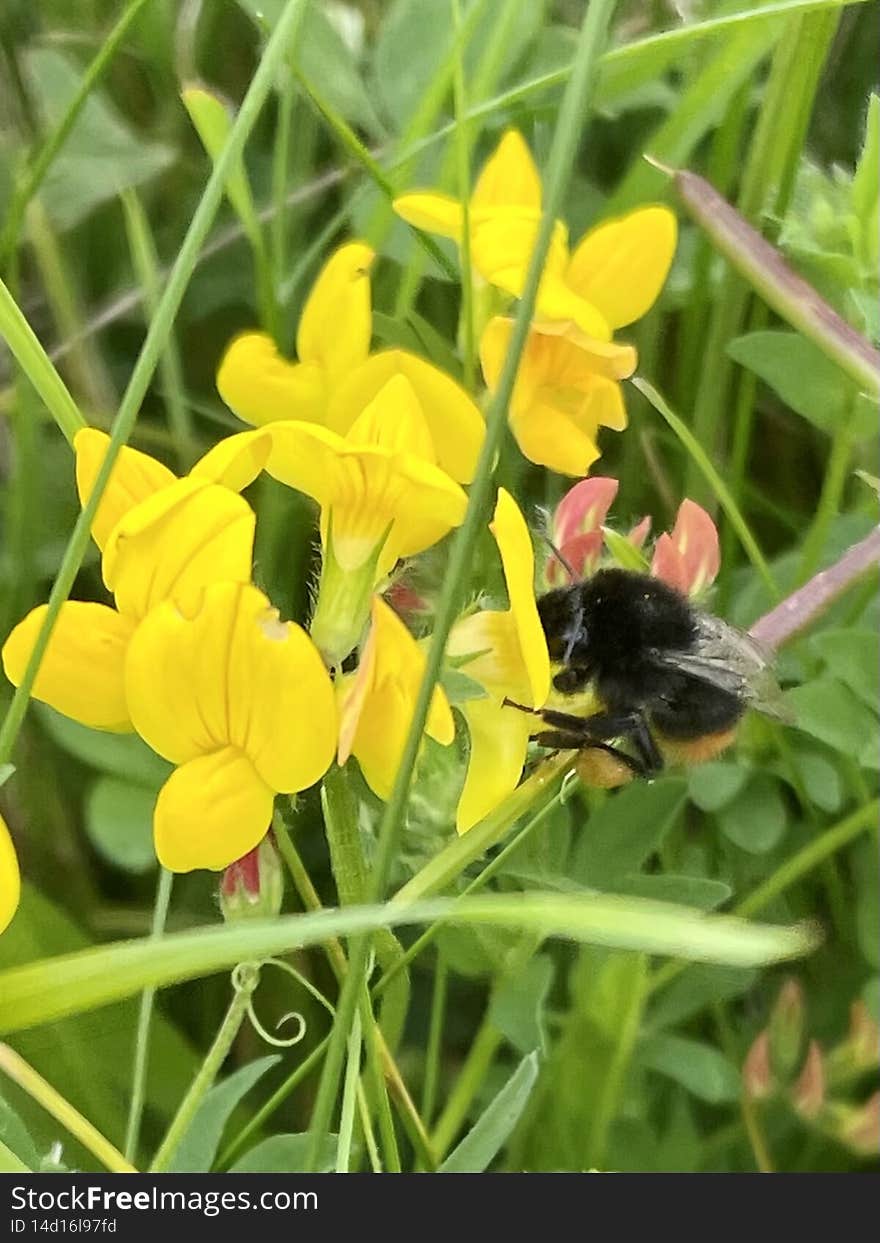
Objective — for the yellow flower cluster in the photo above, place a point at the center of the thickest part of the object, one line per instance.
(194, 658)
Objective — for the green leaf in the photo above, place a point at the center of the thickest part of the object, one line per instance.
(627, 828)
(517, 1006)
(459, 687)
(699, 891)
(822, 781)
(493, 1128)
(697, 988)
(122, 755)
(9, 1162)
(285, 1154)
(851, 655)
(866, 189)
(72, 983)
(757, 818)
(198, 1147)
(828, 710)
(102, 155)
(804, 378)
(714, 784)
(703, 1070)
(119, 822)
(213, 119)
(15, 1138)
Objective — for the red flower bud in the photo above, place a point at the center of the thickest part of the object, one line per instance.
(808, 1093)
(253, 886)
(756, 1074)
(689, 557)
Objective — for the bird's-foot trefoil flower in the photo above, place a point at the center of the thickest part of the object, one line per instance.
(10, 878)
(382, 497)
(241, 702)
(576, 530)
(564, 392)
(378, 700)
(161, 537)
(337, 377)
(509, 660)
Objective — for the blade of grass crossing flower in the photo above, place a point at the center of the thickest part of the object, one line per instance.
(35, 364)
(73, 983)
(262, 82)
(575, 109)
(42, 162)
(701, 460)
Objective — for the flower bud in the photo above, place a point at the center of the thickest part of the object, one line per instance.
(756, 1074)
(864, 1036)
(786, 1031)
(859, 1127)
(689, 556)
(808, 1093)
(253, 886)
(577, 528)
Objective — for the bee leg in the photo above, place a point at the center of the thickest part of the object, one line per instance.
(559, 740)
(605, 726)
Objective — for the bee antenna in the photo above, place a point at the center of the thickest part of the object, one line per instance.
(562, 560)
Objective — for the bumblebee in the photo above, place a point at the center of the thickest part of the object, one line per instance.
(673, 681)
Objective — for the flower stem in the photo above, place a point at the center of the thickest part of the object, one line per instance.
(62, 1111)
(145, 1015)
(209, 1069)
(476, 1066)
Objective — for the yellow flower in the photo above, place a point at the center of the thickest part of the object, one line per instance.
(382, 497)
(563, 394)
(242, 703)
(510, 660)
(161, 538)
(10, 880)
(509, 186)
(611, 279)
(377, 702)
(337, 377)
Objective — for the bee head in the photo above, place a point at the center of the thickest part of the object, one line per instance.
(562, 617)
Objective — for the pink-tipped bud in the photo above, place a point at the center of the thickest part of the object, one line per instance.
(808, 1092)
(253, 886)
(639, 533)
(577, 529)
(405, 600)
(859, 1128)
(689, 556)
(757, 1077)
(786, 1030)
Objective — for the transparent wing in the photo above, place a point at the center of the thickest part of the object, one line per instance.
(731, 660)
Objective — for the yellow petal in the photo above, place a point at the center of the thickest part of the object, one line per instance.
(210, 812)
(394, 420)
(454, 420)
(134, 477)
(518, 558)
(367, 490)
(282, 708)
(509, 176)
(261, 386)
(603, 406)
(434, 213)
(621, 265)
(81, 673)
(489, 638)
(559, 303)
(176, 542)
(499, 742)
(235, 461)
(176, 675)
(502, 245)
(336, 322)
(10, 878)
(550, 437)
(379, 701)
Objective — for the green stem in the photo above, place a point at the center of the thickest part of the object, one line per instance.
(280, 162)
(476, 1066)
(833, 486)
(435, 1039)
(463, 159)
(209, 1069)
(158, 333)
(145, 1015)
(145, 262)
(349, 1097)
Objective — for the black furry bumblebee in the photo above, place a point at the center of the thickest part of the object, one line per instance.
(671, 678)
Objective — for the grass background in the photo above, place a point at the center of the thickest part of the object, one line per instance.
(609, 1066)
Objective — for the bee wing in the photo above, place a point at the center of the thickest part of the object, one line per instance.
(731, 660)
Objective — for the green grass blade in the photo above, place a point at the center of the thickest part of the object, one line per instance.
(44, 991)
